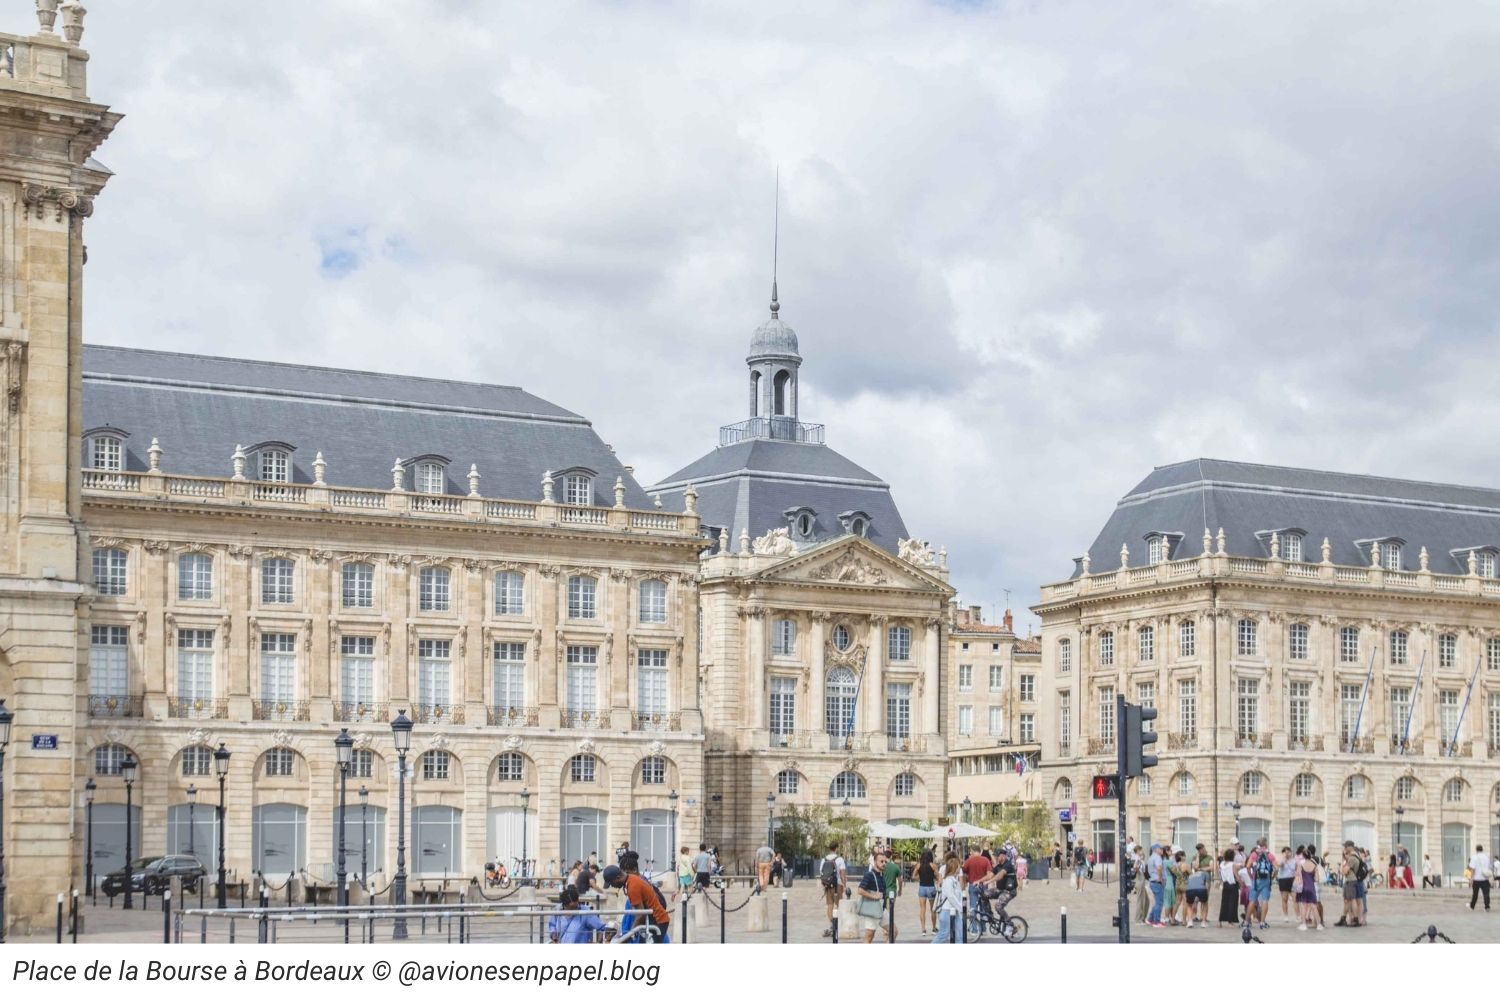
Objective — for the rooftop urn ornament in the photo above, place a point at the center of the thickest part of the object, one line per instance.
(46, 15)
(1473, 562)
(1327, 551)
(1374, 555)
(1208, 543)
(1085, 564)
(547, 486)
(320, 470)
(239, 462)
(73, 12)
(619, 492)
(1220, 541)
(656, 501)
(473, 480)
(1124, 556)
(943, 556)
(690, 500)
(1275, 545)
(724, 540)
(154, 453)
(745, 539)
(398, 477)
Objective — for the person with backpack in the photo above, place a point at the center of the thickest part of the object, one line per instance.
(1155, 873)
(1354, 871)
(832, 875)
(685, 875)
(1080, 865)
(639, 895)
(950, 903)
(1263, 871)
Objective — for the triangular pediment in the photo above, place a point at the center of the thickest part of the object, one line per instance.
(853, 562)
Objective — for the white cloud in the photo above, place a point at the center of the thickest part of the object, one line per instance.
(1031, 250)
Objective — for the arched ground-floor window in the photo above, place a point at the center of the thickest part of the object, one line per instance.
(583, 833)
(279, 839)
(438, 841)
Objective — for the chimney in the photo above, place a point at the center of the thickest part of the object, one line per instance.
(1010, 625)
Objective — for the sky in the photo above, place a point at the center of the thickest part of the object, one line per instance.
(1031, 250)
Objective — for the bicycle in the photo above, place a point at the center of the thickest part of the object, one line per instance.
(1007, 926)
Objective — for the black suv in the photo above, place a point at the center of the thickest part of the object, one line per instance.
(151, 876)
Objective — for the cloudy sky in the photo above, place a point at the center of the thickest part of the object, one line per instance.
(1031, 249)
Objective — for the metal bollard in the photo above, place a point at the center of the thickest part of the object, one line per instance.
(952, 930)
(265, 936)
(685, 919)
(166, 916)
(783, 917)
(59, 917)
(242, 895)
(75, 916)
(1064, 925)
(966, 922)
(723, 917)
(835, 934)
(891, 937)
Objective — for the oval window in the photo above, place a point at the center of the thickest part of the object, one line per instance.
(840, 638)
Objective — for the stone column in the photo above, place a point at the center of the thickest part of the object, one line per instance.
(686, 662)
(874, 708)
(818, 642)
(476, 653)
(398, 663)
(154, 579)
(317, 646)
(549, 648)
(931, 648)
(755, 663)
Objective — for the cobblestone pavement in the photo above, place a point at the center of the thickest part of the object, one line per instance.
(1396, 917)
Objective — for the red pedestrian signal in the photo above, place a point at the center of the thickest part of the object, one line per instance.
(1106, 786)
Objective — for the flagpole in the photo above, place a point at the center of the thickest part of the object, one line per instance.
(1364, 696)
(1412, 709)
(1459, 725)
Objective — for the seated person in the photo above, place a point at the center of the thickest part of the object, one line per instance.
(574, 923)
(999, 886)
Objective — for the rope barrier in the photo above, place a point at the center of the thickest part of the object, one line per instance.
(496, 899)
(275, 888)
(735, 909)
(1430, 935)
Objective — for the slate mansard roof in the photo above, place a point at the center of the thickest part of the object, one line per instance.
(751, 485)
(1251, 501)
(202, 407)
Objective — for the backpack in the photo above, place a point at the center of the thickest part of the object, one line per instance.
(1263, 868)
(1358, 871)
(829, 874)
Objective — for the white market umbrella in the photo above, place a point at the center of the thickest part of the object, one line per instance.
(961, 831)
(896, 831)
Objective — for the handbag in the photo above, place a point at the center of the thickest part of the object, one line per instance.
(871, 909)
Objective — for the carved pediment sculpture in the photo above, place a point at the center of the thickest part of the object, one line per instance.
(656, 748)
(439, 741)
(917, 552)
(850, 568)
(513, 743)
(198, 738)
(586, 745)
(776, 542)
(281, 738)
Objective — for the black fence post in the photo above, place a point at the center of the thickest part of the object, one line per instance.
(166, 916)
(783, 917)
(265, 900)
(835, 934)
(966, 922)
(723, 917)
(952, 930)
(685, 900)
(1064, 925)
(59, 917)
(891, 937)
(74, 928)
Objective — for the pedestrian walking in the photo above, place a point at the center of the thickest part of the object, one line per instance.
(1155, 881)
(1136, 862)
(871, 893)
(950, 902)
(1286, 882)
(927, 890)
(703, 868)
(1428, 882)
(1229, 893)
(1262, 867)
(1176, 890)
(1080, 866)
(1307, 889)
(1480, 871)
(832, 874)
(763, 858)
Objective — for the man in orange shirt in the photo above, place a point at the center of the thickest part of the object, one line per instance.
(639, 895)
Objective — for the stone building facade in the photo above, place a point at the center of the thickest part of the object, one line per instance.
(993, 696)
(1323, 649)
(49, 131)
(823, 625)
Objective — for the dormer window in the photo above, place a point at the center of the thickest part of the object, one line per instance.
(275, 466)
(105, 451)
(801, 521)
(855, 522)
(1291, 548)
(1484, 563)
(1390, 555)
(1285, 543)
(857, 526)
(431, 477)
(578, 489)
(1156, 550)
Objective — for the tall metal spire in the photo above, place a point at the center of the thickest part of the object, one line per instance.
(775, 243)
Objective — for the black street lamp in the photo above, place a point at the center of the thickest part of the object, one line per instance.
(1396, 833)
(968, 810)
(343, 745)
(1234, 806)
(672, 850)
(401, 735)
(525, 808)
(192, 797)
(770, 818)
(6, 718)
(88, 845)
(221, 768)
(364, 838)
(128, 772)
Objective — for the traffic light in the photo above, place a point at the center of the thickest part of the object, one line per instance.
(1106, 786)
(1137, 738)
(1127, 874)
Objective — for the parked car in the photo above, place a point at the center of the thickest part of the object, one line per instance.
(151, 876)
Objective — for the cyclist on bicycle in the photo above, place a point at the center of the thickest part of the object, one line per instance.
(1000, 886)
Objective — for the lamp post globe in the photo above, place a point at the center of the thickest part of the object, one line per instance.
(221, 770)
(401, 727)
(89, 788)
(128, 772)
(770, 819)
(343, 746)
(525, 815)
(7, 719)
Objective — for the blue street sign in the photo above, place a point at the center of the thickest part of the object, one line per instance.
(1065, 815)
(44, 741)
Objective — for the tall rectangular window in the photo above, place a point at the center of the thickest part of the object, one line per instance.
(651, 667)
(898, 710)
(997, 721)
(898, 643)
(1107, 715)
(1299, 710)
(1145, 696)
(1494, 720)
(357, 671)
(275, 466)
(1247, 641)
(1187, 708)
(278, 668)
(111, 575)
(1349, 644)
(1400, 711)
(578, 490)
(966, 677)
(1028, 687)
(195, 577)
(1146, 639)
(109, 661)
(1291, 548)
(433, 589)
(583, 680)
(1028, 727)
(1447, 650)
(1296, 641)
(653, 602)
(966, 720)
(1064, 722)
(1350, 697)
(195, 664)
(1448, 714)
(784, 637)
(783, 705)
(276, 581)
(106, 454)
(358, 580)
(1492, 653)
(996, 676)
(510, 593)
(581, 591)
(510, 675)
(1106, 649)
(1398, 648)
(1064, 656)
(434, 672)
(1187, 639)
(1247, 708)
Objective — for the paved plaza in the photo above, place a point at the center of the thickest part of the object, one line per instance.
(1396, 917)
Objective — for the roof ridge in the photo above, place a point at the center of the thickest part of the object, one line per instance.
(1204, 477)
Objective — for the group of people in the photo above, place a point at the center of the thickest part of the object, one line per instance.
(876, 890)
(576, 922)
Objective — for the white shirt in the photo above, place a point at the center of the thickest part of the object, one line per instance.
(951, 899)
(1226, 871)
(1480, 862)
